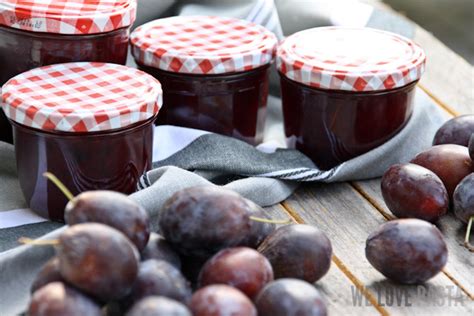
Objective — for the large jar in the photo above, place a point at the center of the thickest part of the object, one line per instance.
(346, 91)
(90, 124)
(39, 33)
(214, 72)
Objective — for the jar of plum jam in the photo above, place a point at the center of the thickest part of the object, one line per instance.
(90, 124)
(37, 33)
(214, 72)
(346, 91)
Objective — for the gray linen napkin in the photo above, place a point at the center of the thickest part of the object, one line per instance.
(263, 178)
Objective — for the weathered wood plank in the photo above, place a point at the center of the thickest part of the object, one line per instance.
(449, 79)
(460, 264)
(336, 287)
(347, 218)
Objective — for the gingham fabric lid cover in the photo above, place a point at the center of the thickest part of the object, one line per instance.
(81, 97)
(352, 59)
(203, 45)
(68, 16)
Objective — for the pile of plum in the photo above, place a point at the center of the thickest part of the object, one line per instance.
(218, 254)
(412, 250)
(438, 179)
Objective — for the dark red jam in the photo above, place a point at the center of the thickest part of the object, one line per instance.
(229, 104)
(23, 50)
(332, 126)
(107, 160)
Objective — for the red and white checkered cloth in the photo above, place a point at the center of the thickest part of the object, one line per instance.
(81, 97)
(203, 45)
(352, 59)
(68, 16)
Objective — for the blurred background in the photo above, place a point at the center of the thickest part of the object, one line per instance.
(451, 21)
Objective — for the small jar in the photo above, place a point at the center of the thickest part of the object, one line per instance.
(90, 124)
(346, 91)
(214, 72)
(36, 33)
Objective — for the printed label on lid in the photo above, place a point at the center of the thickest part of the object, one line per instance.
(353, 59)
(81, 97)
(68, 16)
(203, 45)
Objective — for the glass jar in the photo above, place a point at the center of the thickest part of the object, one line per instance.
(91, 126)
(346, 91)
(35, 34)
(214, 72)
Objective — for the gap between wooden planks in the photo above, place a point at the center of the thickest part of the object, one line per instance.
(332, 207)
(337, 285)
(341, 266)
(452, 86)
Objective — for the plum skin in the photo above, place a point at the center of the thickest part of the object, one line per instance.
(158, 248)
(158, 277)
(241, 267)
(290, 297)
(200, 221)
(112, 209)
(407, 251)
(221, 300)
(451, 163)
(298, 251)
(158, 306)
(463, 199)
(410, 190)
(98, 259)
(455, 131)
(57, 299)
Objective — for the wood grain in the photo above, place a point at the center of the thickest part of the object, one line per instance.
(348, 218)
(336, 287)
(461, 262)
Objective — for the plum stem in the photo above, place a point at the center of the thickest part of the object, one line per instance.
(270, 221)
(467, 244)
(51, 177)
(37, 242)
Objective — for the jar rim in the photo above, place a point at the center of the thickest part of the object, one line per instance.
(203, 44)
(81, 97)
(68, 17)
(352, 59)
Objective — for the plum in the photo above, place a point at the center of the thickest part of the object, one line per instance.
(290, 297)
(241, 267)
(200, 221)
(158, 248)
(463, 201)
(410, 190)
(98, 260)
(221, 300)
(160, 278)
(455, 131)
(298, 251)
(158, 306)
(451, 163)
(407, 251)
(58, 299)
(113, 209)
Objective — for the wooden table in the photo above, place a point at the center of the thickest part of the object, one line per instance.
(348, 212)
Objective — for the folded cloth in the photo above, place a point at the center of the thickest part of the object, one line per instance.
(185, 157)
